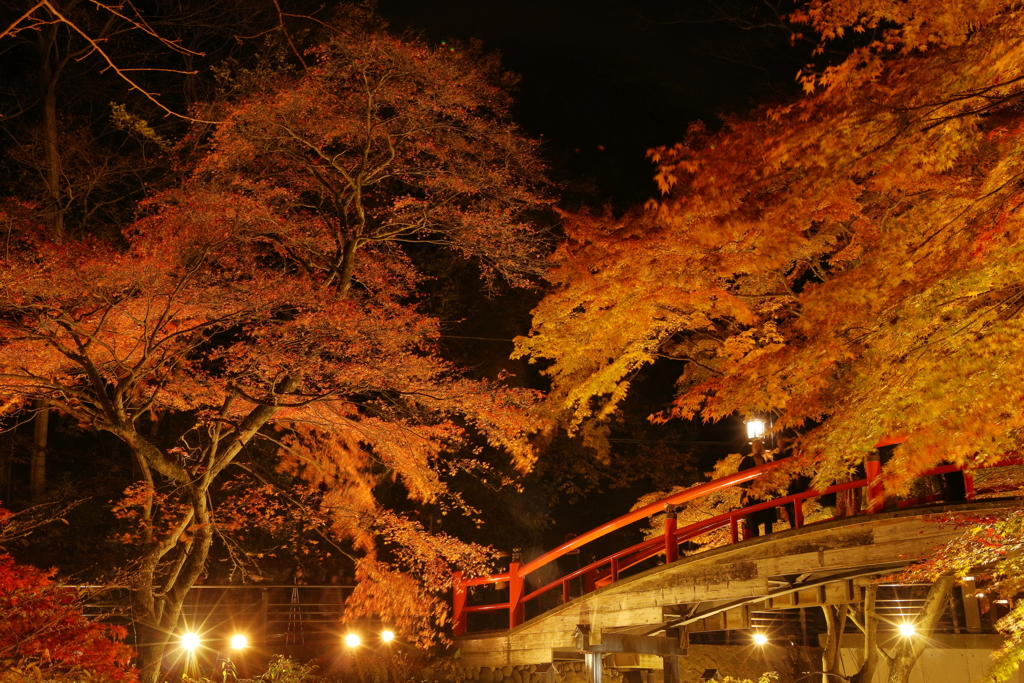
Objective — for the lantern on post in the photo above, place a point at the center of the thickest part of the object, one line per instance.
(755, 428)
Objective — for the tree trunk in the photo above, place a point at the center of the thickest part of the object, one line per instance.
(909, 649)
(158, 607)
(49, 73)
(37, 466)
(870, 628)
(831, 656)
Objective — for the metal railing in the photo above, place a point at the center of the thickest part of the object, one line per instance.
(279, 614)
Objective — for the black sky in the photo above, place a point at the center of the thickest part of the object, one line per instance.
(605, 80)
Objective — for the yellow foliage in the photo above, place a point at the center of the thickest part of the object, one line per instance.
(850, 261)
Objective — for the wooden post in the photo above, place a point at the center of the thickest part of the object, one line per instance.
(671, 669)
(798, 513)
(515, 595)
(734, 532)
(615, 569)
(671, 545)
(969, 485)
(566, 591)
(264, 616)
(972, 608)
(458, 605)
(593, 666)
(876, 494)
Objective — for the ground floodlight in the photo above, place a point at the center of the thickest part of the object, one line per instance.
(387, 636)
(907, 629)
(353, 640)
(239, 642)
(760, 639)
(190, 641)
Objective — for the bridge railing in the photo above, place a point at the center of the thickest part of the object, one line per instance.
(607, 569)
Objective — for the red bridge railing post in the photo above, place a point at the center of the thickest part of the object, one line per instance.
(671, 546)
(516, 584)
(458, 605)
(876, 495)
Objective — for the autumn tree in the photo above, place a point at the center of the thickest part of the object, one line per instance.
(75, 67)
(272, 298)
(44, 634)
(849, 261)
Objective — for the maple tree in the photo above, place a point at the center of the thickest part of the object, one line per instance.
(988, 552)
(44, 634)
(272, 298)
(82, 75)
(848, 261)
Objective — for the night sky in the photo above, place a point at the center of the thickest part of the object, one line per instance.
(603, 81)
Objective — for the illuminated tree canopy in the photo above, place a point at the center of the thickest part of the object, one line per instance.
(849, 261)
(270, 301)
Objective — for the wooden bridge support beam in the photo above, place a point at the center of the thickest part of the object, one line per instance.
(671, 669)
(592, 662)
(972, 608)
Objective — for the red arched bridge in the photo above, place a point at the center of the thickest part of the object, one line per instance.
(623, 606)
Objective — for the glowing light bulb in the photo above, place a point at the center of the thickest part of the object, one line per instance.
(387, 636)
(760, 639)
(353, 640)
(907, 629)
(190, 641)
(239, 642)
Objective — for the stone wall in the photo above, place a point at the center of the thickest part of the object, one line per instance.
(560, 672)
(738, 661)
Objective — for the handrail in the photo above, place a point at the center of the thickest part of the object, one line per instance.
(668, 542)
(646, 511)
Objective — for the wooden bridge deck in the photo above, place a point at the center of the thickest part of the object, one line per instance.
(825, 563)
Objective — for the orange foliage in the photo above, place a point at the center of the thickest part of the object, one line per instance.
(850, 261)
(43, 627)
(271, 297)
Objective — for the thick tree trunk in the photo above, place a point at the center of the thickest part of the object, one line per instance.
(909, 649)
(870, 628)
(174, 561)
(158, 607)
(37, 465)
(831, 656)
